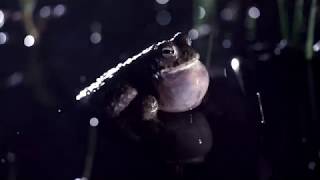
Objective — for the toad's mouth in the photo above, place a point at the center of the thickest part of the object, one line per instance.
(181, 67)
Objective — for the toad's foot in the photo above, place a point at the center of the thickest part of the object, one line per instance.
(150, 108)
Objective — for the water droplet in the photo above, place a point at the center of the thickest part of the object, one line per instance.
(29, 40)
(162, 1)
(235, 64)
(227, 14)
(59, 10)
(95, 37)
(11, 157)
(2, 18)
(3, 38)
(94, 122)
(83, 79)
(254, 12)
(163, 18)
(312, 165)
(45, 12)
(15, 79)
(202, 12)
(193, 34)
(316, 47)
(226, 43)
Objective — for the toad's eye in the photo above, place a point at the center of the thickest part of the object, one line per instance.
(168, 52)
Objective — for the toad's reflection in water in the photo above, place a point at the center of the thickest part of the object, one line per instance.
(177, 138)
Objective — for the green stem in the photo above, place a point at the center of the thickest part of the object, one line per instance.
(283, 14)
(297, 21)
(311, 29)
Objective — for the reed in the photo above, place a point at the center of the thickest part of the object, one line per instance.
(283, 14)
(311, 30)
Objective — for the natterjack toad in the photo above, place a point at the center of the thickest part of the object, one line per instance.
(167, 76)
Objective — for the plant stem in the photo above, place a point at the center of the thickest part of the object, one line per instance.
(297, 21)
(311, 29)
(283, 14)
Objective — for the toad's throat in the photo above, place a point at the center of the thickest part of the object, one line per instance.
(184, 66)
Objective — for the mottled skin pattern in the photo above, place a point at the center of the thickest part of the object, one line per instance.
(172, 79)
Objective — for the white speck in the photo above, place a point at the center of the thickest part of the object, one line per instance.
(59, 110)
(193, 34)
(312, 165)
(29, 40)
(162, 1)
(254, 12)
(235, 64)
(95, 38)
(18, 133)
(316, 47)
(15, 79)
(226, 43)
(200, 141)
(2, 18)
(3, 38)
(163, 18)
(202, 12)
(83, 178)
(260, 108)
(94, 122)
(227, 14)
(3, 160)
(45, 12)
(59, 10)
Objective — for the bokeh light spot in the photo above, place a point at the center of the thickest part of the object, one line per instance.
(202, 12)
(316, 47)
(254, 12)
(1, 18)
(95, 38)
(45, 12)
(29, 40)
(59, 10)
(3, 38)
(94, 122)
(193, 34)
(235, 64)
(162, 1)
(226, 43)
(227, 14)
(163, 18)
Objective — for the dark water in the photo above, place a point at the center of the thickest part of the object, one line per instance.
(46, 134)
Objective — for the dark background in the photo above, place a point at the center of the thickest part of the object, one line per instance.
(45, 133)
